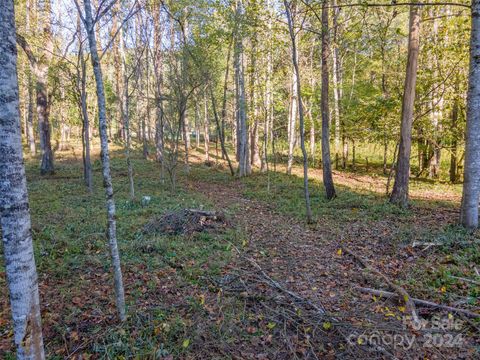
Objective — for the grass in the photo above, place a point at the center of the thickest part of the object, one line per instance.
(73, 263)
(170, 299)
(287, 194)
(458, 251)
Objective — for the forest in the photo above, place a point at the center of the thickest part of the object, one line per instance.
(239, 179)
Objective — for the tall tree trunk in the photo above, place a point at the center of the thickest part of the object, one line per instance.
(454, 146)
(254, 149)
(336, 77)
(300, 111)
(471, 184)
(197, 123)
(399, 194)
(158, 69)
(206, 137)
(116, 44)
(30, 90)
(43, 101)
(437, 108)
(242, 131)
(310, 108)
(126, 113)
(292, 122)
(107, 178)
(14, 209)
(146, 123)
(81, 84)
(88, 175)
(268, 124)
(221, 123)
(326, 161)
(184, 119)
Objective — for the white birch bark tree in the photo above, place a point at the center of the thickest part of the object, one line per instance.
(14, 209)
(107, 177)
(471, 184)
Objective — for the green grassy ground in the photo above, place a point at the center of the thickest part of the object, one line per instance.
(168, 278)
(72, 257)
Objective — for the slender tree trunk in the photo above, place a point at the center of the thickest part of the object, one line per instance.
(454, 147)
(88, 175)
(300, 112)
(83, 105)
(206, 137)
(158, 71)
(43, 101)
(30, 115)
(107, 178)
(16, 233)
(243, 158)
(126, 114)
(292, 122)
(221, 123)
(268, 93)
(385, 151)
(220, 132)
(310, 108)
(400, 187)
(437, 108)
(254, 149)
(336, 77)
(471, 184)
(326, 161)
(147, 91)
(197, 123)
(186, 139)
(30, 91)
(118, 73)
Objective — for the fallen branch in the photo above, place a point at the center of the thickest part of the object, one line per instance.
(391, 295)
(279, 287)
(401, 291)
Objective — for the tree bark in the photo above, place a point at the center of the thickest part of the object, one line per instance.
(471, 184)
(399, 194)
(206, 137)
(336, 77)
(300, 111)
(30, 111)
(107, 178)
(14, 209)
(43, 101)
(292, 122)
(157, 69)
(126, 114)
(268, 123)
(326, 161)
(243, 158)
(454, 146)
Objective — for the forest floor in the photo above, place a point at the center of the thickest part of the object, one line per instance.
(266, 286)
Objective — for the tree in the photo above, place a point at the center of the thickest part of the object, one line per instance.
(298, 91)
(241, 111)
(40, 66)
(399, 194)
(326, 161)
(471, 185)
(107, 177)
(14, 208)
(81, 89)
(30, 111)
